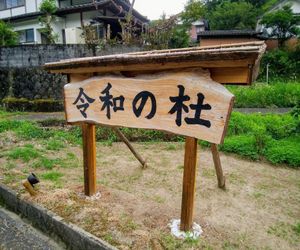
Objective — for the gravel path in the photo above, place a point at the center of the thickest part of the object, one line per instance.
(16, 234)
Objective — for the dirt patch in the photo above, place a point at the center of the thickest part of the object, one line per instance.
(258, 210)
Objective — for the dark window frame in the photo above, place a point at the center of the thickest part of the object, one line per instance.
(12, 7)
(27, 36)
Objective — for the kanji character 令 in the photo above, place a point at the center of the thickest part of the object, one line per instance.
(85, 101)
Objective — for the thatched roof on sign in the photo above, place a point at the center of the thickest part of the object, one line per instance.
(225, 56)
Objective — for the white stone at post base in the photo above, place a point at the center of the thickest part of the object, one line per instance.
(193, 234)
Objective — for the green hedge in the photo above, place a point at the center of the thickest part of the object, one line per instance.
(271, 136)
(38, 105)
(281, 95)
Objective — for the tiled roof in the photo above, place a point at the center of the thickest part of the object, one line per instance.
(75, 8)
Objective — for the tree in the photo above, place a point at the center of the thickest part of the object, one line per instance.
(179, 37)
(233, 15)
(48, 8)
(193, 11)
(129, 29)
(8, 37)
(281, 24)
(158, 33)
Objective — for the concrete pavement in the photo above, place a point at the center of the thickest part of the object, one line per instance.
(17, 234)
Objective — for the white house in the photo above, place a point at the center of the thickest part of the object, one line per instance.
(295, 5)
(71, 15)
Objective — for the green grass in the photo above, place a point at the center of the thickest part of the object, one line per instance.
(171, 147)
(285, 231)
(46, 163)
(52, 176)
(27, 130)
(169, 242)
(26, 153)
(296, 228)
(55, 144)
(273, 137)
(5, 114)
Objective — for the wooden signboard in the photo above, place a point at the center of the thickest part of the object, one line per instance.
(184, 101)
(187, 103)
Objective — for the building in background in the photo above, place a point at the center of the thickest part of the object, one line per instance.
(105, 15)
(220, 37)
(272, 43)
(196, 29)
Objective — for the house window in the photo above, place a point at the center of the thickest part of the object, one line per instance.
(26, 36)
(8, 4)
(68, 3)
(100, 31)
(199, 28)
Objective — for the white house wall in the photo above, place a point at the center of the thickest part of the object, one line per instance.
(58, 26)
(31, 6)
(5, 13)
(73, 20)
(32, 24)
(71, 23)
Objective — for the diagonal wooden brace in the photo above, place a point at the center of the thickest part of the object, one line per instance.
(127, 142)
(218, 166)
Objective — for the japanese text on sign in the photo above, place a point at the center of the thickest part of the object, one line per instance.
(186, 103)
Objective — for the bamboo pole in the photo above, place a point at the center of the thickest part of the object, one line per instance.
(218, 166)
(189, 180)
(127, 142)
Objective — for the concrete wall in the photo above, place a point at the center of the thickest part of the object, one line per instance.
(21, 75)
(37, 55)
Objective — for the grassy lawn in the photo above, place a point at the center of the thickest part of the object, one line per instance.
(259, 209)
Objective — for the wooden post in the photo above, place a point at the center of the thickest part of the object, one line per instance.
(189, 179)
(89, 147)
(89, 158)
(218, 166)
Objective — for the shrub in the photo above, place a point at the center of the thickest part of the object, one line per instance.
(243, 145)
(38, 105)
(266, 95)
(284, 151)
(283, 64)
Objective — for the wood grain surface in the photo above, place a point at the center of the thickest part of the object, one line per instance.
(207, 104)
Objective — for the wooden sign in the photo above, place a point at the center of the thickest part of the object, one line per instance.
(186, 103)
